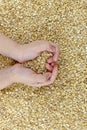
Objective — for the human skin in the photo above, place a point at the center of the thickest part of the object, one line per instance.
(22, 53)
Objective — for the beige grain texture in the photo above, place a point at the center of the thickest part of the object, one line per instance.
(62, 105)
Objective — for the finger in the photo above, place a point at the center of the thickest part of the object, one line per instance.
(54, 75)
(47, 75)
(40, 83)
(41, 78)
(50, 60)
(54, 49)
(56, 55)
(49, 67)
(52, 64)
(51, 47)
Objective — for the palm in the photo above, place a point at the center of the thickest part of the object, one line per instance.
(29, 77)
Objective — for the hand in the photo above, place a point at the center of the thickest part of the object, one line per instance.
(29, 77)
(31, 51)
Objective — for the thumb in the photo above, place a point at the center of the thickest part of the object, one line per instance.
(42, 78)
(51, 47)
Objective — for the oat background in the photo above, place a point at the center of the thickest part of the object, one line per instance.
(62, 105)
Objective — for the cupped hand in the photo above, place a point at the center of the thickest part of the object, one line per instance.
(29, 77)
(31, 51)
(34, 49)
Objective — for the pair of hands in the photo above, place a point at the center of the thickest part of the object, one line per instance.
(31, 51)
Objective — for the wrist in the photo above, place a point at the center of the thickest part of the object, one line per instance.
(6, 77)
(24, 53)
(11, 72)
(16, 73)
(18, 53)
